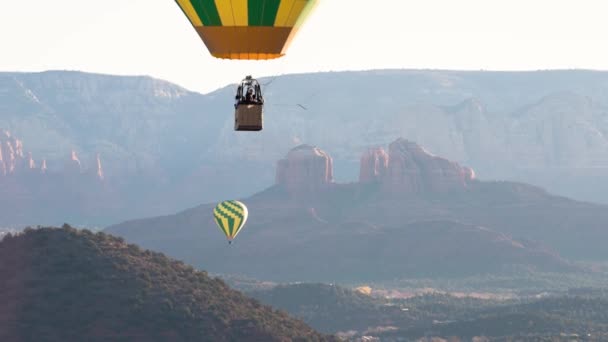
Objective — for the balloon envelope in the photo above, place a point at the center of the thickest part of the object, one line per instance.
(246, 29)
(230, 216)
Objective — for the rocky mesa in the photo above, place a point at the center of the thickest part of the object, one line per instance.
(409, 168)
(305, 170)
(405, 169)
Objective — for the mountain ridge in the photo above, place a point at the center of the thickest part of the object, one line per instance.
(152, 134)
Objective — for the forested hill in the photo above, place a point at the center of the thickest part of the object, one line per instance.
(69, 285)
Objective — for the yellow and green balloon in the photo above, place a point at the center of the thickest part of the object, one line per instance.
(230, 216)
(247, 29)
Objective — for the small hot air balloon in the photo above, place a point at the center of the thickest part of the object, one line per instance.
(230, 216)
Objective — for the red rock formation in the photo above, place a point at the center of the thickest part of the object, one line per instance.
(73, 165)
(409, 168)
(406, 168)
(14, 161)
(18, 148)
(11, 152)
(30, 163)
(469, 174)
(305, 170)
(403, 173)
(74, 157)
(27, 186)
(12, 157)
(99, 168)
(374, 164)
(2, 163)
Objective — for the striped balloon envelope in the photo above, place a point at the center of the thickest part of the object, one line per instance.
(230, 216)
(246, 29)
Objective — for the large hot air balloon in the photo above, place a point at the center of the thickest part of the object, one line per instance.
(230, 216)
(246, 29)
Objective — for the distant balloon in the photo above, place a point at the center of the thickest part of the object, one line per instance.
(230, 216)
(246, 29)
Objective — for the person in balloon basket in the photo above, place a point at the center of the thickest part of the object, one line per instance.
(250, 98)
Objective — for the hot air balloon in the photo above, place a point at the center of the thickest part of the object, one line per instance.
(230, 216)
(246, 29)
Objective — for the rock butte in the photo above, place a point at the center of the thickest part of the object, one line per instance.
(405, 168)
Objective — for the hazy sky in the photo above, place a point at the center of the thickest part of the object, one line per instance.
(153, 37)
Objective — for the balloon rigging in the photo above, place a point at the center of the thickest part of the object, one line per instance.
(245, 30)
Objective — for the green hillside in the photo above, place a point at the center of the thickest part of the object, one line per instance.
(70, 285)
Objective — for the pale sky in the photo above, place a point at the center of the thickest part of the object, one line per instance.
(153, 37)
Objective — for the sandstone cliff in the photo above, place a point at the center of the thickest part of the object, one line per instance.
(305, 170)
(406, 168)
(411, 168)
(374, 164)
(11, 153)
(31, 194)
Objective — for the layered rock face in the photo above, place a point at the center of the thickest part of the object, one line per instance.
(409, 168)
(11, 153)
(27, 186)
(413, 169)
(374, 164)
(14, 161)
(406, 168)
(305, 170)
